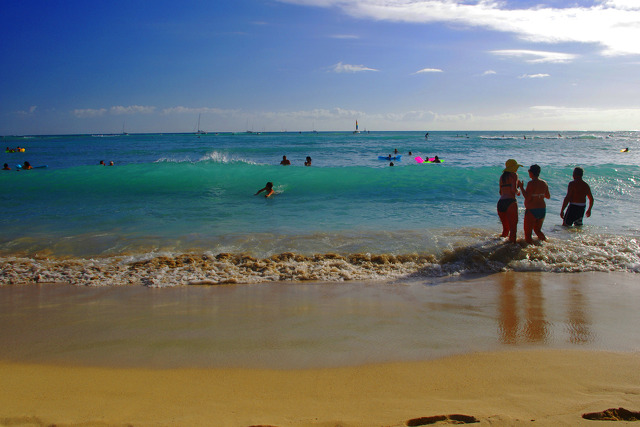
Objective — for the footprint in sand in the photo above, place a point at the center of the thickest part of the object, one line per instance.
(453, 419)
(613, 414)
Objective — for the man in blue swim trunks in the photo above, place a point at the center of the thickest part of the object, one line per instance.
(577, 194)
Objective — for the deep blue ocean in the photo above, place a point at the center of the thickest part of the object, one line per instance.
(180, 208)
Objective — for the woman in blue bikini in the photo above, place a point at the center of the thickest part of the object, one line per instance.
(507, 205)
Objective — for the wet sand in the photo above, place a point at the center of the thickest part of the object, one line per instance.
(507, 349)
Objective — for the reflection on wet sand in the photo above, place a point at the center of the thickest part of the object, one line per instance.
(578, 323)
(521, 311)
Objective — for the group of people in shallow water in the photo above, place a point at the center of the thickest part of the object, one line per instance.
(25, 166)
(535, 194)
(15, 150)
(287, 162)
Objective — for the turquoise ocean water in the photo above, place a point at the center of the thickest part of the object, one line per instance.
(180, 208)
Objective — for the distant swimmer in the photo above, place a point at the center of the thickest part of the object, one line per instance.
(577, 194)
(27, 166)
(391, 164)
(268, 188)
(285, 161)
(111, 163)
(102, 163)
(535, 207)
(426, 135)
(307, 162)
(436, 160)
(6, 167)
(626, 150)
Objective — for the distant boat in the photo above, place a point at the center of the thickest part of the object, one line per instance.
(199, 131)
(356, 131)
(123, 131)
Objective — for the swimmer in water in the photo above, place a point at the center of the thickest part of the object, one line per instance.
(268, 188)
(537, 190)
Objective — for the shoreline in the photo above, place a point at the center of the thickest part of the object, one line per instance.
(508, 349)
(285, 325)
(547, 387)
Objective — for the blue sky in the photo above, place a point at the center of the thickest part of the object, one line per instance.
(271, 65)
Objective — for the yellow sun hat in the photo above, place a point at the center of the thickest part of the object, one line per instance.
(511, 166)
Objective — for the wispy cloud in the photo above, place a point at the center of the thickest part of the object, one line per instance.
(348, 68)
(489, 73)
(28, 112)
(84, 113)
(612, 24)
(536, 56)
(344, 36)
(534, 76)
(428, 70)
(115, 110)
(132, 109)
(191, 110)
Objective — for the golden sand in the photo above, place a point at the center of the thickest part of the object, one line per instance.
(503, 388)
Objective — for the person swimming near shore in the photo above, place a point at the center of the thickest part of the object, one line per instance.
(508, 205)
(6, 167)
(27, 166)
(268, 188)
(536, 209)
(285, 161)
(578, 192)
(307, 162)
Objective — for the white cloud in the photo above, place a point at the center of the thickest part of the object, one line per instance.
(536, 56)
(348, 68)
(115, 111)
(132, 109)
(612, 24)
(345, 36)
(89, 112)
(428, 70)
(489, 73)
(189, 110)
(534, 76)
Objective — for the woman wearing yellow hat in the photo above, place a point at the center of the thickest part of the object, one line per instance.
(507, 205)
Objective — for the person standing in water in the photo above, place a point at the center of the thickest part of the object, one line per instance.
(508, 205)
(577, 194)
(537, 190)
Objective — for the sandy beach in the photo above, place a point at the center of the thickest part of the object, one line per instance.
(505, 349)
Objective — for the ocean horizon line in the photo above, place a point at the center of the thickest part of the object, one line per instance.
(347, 131)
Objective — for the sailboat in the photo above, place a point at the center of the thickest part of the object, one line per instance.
(199, 132)
(356, 131)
